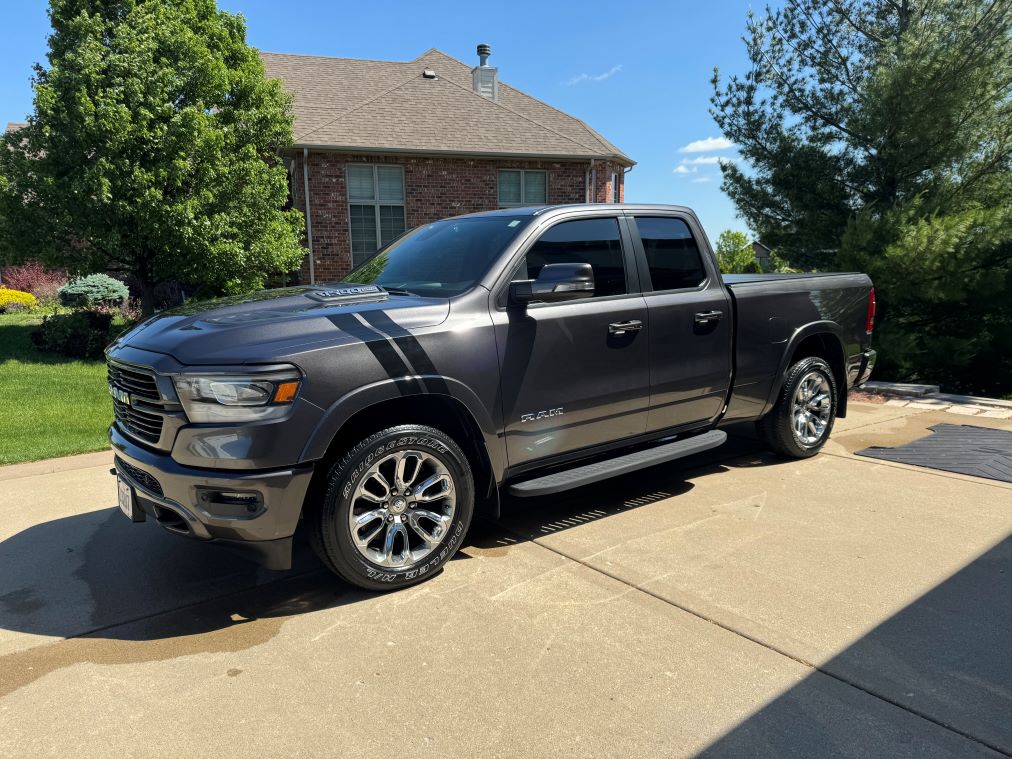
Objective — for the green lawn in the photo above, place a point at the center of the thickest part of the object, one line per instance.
(49, 405)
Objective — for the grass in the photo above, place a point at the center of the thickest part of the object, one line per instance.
(49, 405)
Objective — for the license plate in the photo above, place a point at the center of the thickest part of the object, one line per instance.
(126, 500)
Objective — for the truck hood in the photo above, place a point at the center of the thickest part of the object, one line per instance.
(273, 324)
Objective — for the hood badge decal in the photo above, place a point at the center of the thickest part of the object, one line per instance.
(351, 291)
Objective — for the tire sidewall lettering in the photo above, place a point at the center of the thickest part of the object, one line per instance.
(447, 550)
(404, 442)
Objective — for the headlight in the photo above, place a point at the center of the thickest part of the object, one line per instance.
(231, 397)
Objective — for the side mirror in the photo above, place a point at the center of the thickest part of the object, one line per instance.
(555, 283)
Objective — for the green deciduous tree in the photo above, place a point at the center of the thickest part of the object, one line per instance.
(877, 135)
(152, 150)
(734, 253)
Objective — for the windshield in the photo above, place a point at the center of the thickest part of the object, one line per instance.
(441, 259)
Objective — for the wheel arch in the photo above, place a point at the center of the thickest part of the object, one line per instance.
(376, 407)
(822, 340)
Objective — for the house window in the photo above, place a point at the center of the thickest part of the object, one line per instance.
(614, 188)
(522, 188)
(375, 207)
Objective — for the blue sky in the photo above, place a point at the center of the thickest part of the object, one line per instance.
(637, 72)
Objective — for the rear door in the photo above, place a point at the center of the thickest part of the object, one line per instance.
(569, 378)
(690, 321)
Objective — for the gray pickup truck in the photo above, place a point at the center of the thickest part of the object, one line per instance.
(524, 351)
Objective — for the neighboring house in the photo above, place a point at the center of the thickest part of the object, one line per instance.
(762, 254)
(384, 146)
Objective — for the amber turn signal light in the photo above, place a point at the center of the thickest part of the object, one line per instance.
(285, 392)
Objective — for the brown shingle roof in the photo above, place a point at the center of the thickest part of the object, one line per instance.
(389, 105)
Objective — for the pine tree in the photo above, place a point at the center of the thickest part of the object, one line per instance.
(878, 136)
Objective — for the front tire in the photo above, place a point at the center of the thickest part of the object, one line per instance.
(800, 422)
(395, 510)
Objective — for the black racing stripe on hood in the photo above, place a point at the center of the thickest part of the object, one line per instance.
(382, 349)
(413, 351)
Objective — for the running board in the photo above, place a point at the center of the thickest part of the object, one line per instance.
(603, 470)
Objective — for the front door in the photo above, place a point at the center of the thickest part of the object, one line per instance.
(690, 323)
(570, 378)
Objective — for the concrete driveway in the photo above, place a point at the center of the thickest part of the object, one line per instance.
(727, 605)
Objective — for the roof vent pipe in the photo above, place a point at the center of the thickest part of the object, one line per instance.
(485, 78)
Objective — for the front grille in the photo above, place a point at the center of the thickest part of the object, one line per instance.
(137, 404)
(143, 424)
(141, 477)
(135, 381)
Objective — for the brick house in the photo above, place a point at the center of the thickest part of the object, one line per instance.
(384, 146)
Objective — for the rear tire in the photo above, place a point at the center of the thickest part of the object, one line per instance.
(395, 509)
(800, 422)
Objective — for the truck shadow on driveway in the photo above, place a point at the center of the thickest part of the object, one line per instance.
(124, 593)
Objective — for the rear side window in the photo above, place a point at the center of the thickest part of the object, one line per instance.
(586, 241)
(672, 255)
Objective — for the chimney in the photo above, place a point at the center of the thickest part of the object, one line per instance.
(485, 78)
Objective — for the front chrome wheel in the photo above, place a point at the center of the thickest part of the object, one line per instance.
(401, 508)
(811, 407)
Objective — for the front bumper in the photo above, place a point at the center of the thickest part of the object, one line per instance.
(182, 499)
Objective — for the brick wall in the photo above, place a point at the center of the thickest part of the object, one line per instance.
(434, 189)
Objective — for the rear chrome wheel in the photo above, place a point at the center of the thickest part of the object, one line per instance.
(401, 508)
(801, 420)
(811, 408)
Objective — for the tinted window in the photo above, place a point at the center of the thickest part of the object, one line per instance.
(587, 241)
(441, 259)
(671, 252)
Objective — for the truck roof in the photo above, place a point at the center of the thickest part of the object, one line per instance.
(539, 210)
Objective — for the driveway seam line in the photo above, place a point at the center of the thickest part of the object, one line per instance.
(770, 647)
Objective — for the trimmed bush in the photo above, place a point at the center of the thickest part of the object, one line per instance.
(34, 278)
(15, 300)
(94, 290)
(83, 334)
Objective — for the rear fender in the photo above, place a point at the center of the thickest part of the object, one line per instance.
(834, 341)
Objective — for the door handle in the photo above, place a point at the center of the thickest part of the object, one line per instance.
(620, 328)
(705, 317)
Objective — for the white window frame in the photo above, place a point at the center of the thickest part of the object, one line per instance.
(614, 187)
(523, 183)
(374, 203)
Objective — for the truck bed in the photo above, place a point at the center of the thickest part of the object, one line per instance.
(747, 279)
(768, 307)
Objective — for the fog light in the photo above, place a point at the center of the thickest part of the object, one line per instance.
(231, 503)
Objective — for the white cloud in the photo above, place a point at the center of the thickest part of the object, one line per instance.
(704, 160)
(580, 78)
(685, 169)
(702, 179)
(708, 143)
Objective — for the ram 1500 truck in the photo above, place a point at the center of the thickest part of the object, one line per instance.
(521, 351)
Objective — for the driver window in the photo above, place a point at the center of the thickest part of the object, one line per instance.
(586, 241)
